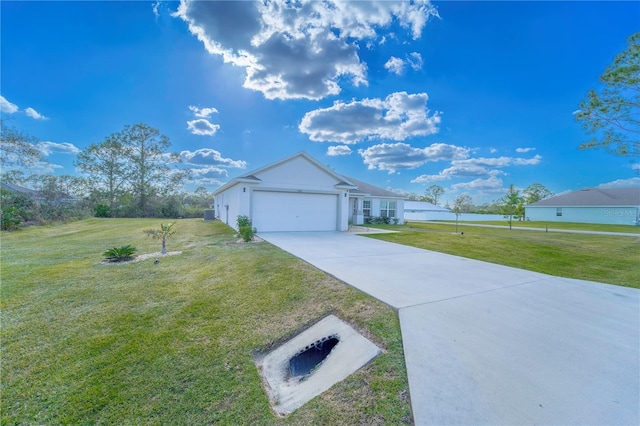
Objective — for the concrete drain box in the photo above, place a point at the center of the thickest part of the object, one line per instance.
(313, 361)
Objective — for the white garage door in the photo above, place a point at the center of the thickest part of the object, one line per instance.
(294, 211)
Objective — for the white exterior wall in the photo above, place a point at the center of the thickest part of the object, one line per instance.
(238, 202)
(298, 174)
(602, 215)
(301, 184)
(375, 207)
(285, 180)
(400, 211)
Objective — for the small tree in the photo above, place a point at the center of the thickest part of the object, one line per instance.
(163, 234)
(512, 204)
(462, 204)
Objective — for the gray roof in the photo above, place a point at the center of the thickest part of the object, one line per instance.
(20, 189)
(592, 197)
(59, 196)
(368, 189)
(423, 206)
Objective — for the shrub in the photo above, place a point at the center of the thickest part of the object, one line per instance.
(103, 210)
(120, 254)
(243, 221)
(247, 233)
(10, 218)
(379, 220)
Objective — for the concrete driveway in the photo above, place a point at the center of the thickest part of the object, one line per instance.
(489, 344)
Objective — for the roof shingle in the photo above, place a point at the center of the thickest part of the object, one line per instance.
(591, 197)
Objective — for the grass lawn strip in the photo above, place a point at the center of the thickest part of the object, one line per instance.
(603, 258)
(172, 343)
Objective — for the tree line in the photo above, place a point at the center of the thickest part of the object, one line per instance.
(128, 174)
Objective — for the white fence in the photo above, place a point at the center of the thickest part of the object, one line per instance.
(448, 216)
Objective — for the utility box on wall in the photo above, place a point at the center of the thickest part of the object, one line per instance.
(209, 214)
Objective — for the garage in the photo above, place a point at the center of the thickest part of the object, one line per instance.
(275, 211)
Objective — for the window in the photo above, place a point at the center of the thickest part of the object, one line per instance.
(366, 208)
(388, 208)
(559, 211)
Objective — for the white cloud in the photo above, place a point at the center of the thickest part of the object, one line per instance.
(622, 183)
(401, 156)
(301, 49)
(415, 61)
(492, 183)
(155, 6)
(34, 114)
(338, 150)
(210, 157)
(397, 117)
(523, 150)
(464, 171)
(6, 106)
(202, 127)
(48, 148)
(481, 168)
(202, 112)
(211, 172)
(395, 65)
(498, 161)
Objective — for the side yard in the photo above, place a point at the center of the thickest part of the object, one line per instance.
(172, 342)
(603, 258)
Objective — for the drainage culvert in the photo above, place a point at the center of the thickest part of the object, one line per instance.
(312, 362)
(304, 362)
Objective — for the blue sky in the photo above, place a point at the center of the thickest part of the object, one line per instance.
(472, 96)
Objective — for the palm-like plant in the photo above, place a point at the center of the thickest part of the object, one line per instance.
(120, 254)
(163, 234)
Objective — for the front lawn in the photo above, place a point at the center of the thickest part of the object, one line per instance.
(172, 343)
(602, 258)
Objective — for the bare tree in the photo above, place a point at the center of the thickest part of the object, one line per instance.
(17, 149)
(462, 204)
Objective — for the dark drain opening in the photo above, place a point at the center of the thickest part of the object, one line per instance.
(306, 360)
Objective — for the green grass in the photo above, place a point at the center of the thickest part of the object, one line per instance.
(173, 343)
(561, 225)
(602, 258)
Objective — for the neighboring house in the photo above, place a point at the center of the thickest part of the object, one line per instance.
(298, 193)
(618, 206)
(421, 210)
(53, 198)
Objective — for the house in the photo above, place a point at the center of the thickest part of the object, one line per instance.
(53, 198)
(421, 210)
(618, 206)
(298, 193)
(367, 201)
